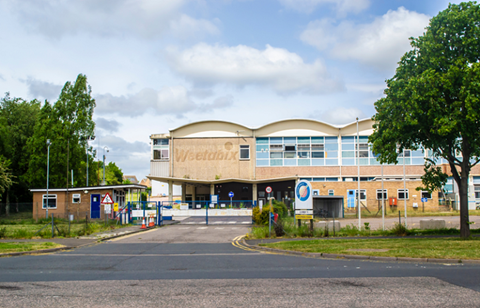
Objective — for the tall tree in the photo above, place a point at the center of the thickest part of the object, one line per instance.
(68, 124)
(113, 174)
(17, 122)
(6, 177)
(433, 101)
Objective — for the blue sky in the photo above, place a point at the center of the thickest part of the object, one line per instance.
(156, 65)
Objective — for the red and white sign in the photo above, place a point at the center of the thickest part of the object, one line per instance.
(107, 199)
(268, 189)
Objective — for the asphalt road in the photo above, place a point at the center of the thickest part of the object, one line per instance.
(198, 266)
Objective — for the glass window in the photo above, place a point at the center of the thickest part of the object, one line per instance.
(292, 140)
(331, 154)
(303, 154)
(244, 152)
(331, 179)
(76, 198)
(426, 194)
(331, 147)
(290, 147)
(262, 140)
(348, 162)
(262, 147)
(331, 140)
(262, 155)
(348, 139)
(318, 147)
(51, 200)
(262, 162)
(402, 194)
(289, 162)
(304, 147)
(276, 162)
(379, 194)
(331, 192)
(317, 140)
(160, 154)
(477, 191)
(304, 162)
(160, 141)
(331, 162)
(363, 194)
(290, 154)
(348, 147)
(318, 162)
(276, 147)
(276, 140)
(318, 179)
(276, 154)
(303, 140)
(348, 154)
(318, 155)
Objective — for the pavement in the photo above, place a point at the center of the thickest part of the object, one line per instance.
(217, 220)
(412, 222)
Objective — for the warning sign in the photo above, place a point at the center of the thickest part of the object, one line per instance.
(107, 199)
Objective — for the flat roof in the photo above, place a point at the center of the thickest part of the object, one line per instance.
(120, 186)
(179, 181)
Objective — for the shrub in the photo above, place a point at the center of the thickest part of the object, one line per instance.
(400, 230)
(280, 208)
(3, 232)
(278, 227)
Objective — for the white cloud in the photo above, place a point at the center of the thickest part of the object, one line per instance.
(107, 125)
(144, 18)
(241, 65)
(169, 100)
(38, 88)
(342, 6)
(340, 115)
(187, 27)
(380, 43)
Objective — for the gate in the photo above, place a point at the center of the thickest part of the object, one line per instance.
(223, 212)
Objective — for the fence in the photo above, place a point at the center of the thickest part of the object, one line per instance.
(374, 207)
(221, 204)
(16, 208)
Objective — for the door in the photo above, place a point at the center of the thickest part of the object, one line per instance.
(94, 206)
(351, 198)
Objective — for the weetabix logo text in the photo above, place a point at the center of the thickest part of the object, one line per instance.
(182, 155)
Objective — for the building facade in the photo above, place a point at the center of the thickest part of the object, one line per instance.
(216, 157)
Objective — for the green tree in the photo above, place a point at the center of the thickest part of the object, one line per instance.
(113, 174)
(6, 177)
(433, 101)
(17, 122)
(68, 124)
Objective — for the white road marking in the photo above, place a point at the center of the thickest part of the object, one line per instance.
(217, 228)
(202, 228)
(233, 222)
(247, 222)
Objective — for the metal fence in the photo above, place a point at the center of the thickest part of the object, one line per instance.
(15, 208)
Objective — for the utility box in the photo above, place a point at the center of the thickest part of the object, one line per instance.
(392, 201)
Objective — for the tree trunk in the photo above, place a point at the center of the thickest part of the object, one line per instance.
(7, 203)
(464, 219)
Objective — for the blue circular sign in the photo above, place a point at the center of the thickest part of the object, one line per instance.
(230, 194)
(303, 191)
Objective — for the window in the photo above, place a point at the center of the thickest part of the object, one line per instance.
(160, 154)
(331, 192)
(477, 191)
(245, 152)
(51, 200)
(426, 194)
(76, 198)
(379, 194)
(402, 194)
(276, 147)
(290, 147)
(363, 194)
(160, 141)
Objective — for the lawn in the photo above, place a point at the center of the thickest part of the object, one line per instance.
(26, 246)
(443, 248)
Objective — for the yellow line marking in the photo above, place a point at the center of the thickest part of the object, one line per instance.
(130, 235)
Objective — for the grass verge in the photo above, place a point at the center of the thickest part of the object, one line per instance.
(27, 246)
(445, 248)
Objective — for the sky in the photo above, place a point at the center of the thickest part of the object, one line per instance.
(156, 65)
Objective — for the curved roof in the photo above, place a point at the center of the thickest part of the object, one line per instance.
(287, 127)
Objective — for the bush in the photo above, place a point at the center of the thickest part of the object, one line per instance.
(278, 227)
(280, 208)
(400, 230)
(3, 232)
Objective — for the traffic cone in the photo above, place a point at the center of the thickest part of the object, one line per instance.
(151, 223)
(143, 224)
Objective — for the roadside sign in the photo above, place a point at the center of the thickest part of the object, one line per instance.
(107, 199)
(214, 199)
(230, 194)
(108, 208)
(304, 216)
(115, 207)
(424, 199)
(268, 189)
(303, 196)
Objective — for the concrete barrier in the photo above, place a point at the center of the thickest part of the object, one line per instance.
(322, 225)
(432, 224)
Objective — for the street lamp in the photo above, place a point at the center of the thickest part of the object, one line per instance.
(86, 150)
(48, 171)
(105, 147)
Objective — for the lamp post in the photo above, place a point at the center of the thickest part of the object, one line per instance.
(358, 180)
(86, 150)
(48, 172)
(105, 147)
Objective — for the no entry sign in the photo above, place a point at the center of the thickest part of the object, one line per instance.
(268, 189)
